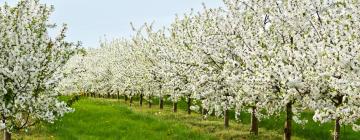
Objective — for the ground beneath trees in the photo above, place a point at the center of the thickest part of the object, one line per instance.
(99, 119)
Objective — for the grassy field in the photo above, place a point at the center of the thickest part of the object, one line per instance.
(115, 119)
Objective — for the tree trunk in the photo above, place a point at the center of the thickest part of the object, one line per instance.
(141, 99)
(254, 122)
(204, 111)
(175, 107)
(131, 100)
(126, 98)
(7, 135)
(149, 102)
(226, 118)
(161, 103)
(118, 96)
(337, 129)
(287, 129)
(189, 105)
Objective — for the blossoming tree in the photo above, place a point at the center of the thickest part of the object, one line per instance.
(31, 64)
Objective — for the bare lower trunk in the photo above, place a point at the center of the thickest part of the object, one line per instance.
(7, 135)
(204, 111)
(339, 99)
(141, 99)
(189, 105)
(337, 129)
(175, 107)
(226, 118)
(118, 96)
(287, 129)
(131, 100)
(254, 122)
(149, 102)
(161, 103)
(126, 98)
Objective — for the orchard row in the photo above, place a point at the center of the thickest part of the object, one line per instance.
(265, 57)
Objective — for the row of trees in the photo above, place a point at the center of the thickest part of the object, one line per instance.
(31, 65)
(265, 57)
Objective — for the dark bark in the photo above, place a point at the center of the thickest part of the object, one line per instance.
(7, 135)
(141, 99)
(149, 102)
(131, 100)
(188, 105)
(126, 98)
(118, 95)
(161, 103)
(204, 111)
(287, 128)
(226, 118)
(337, 129)
(339, 101)
(254, 122)
(175, 107)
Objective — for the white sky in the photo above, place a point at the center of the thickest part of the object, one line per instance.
(90, 20)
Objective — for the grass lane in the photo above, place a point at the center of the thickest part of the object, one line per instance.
(99, 119)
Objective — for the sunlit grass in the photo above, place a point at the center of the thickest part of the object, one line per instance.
(115, 119)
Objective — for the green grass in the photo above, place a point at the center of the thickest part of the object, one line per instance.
(310, 131)
(103, 119)
(115, 119)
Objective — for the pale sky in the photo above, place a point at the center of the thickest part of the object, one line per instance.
(90, 20)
